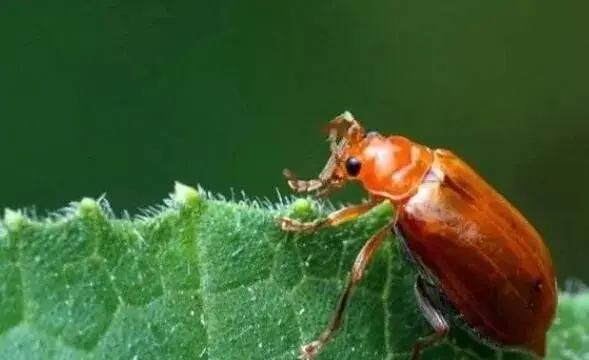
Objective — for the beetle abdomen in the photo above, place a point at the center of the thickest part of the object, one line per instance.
(489, 261)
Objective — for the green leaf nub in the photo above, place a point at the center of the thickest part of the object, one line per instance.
(205, 278)
(186, 195)
(14, 220)
(303, 208)
(88, 207)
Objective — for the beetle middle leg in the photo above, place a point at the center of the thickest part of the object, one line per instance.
(309, 350)
(433, 316)
(335, 218)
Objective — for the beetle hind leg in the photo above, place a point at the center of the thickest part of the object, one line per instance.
(433, 316)
(308, 351)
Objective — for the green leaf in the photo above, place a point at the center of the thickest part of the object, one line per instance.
(204, 278)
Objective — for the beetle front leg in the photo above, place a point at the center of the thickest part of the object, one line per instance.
(311, 349)
(433, 316)
(335, 218)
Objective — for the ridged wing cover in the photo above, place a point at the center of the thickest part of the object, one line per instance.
(490, 262)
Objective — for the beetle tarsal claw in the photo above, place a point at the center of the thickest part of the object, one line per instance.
(309, 351)
(292, 225)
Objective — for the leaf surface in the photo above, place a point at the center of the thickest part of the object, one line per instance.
(205, 278)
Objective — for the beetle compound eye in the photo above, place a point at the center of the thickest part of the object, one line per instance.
(353, 166)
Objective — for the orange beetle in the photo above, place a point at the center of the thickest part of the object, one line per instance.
(476, 255)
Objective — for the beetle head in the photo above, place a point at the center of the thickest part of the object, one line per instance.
(393, 165)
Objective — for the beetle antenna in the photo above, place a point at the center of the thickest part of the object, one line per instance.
(344, 128)
(326, 180)
(301, 185)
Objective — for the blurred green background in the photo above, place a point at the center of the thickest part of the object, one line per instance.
(125, 97)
